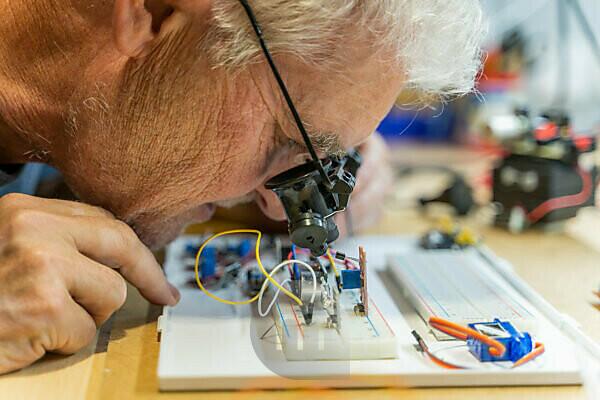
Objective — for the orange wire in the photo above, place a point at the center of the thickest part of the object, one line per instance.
(536, 352)
(497, 349)
(460, 332)
(442, 363)
(436, 360)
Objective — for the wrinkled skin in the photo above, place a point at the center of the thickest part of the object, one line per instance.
(144, 129)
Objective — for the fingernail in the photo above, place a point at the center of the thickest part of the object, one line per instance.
(175, 293)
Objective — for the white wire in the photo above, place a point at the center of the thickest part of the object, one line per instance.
(270, 306)
(275, 270)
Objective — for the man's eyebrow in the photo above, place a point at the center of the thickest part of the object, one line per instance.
(328, 143)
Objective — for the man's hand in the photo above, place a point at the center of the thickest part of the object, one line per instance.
(374, 182)
(63, 267)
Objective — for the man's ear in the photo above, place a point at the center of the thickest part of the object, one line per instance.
(136, 24)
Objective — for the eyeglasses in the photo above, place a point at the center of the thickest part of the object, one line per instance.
(314, 192)
(284, 91)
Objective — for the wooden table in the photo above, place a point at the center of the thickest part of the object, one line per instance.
(121, 364)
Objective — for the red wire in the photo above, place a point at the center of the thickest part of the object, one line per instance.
(442, 363)
(571, 200)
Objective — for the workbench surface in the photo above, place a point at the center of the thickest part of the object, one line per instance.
(121, 364)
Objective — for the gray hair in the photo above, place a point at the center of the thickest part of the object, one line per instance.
(435, 42)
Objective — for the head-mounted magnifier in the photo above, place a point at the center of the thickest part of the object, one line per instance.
(314, 192)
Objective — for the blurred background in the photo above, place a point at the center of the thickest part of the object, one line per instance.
(541, 55)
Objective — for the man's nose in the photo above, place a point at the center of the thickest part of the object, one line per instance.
(270, 204)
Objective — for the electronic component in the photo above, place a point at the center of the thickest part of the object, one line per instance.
(208, 265)
(254, 281)
(298, 280)
(257, 356)
(316, 305)
(517, 344)
(436, 240)
(541, 180)
(241, 249)
(448, 238)
(191, 249)
(364, 293)
(351, 279)
(494, 341)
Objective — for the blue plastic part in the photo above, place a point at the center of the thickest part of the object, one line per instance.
(517, 344)
(191, 249)
(232, 248)
(426, 125)
(208, 263)
(296, 267)
(350, 279)
(244, 247)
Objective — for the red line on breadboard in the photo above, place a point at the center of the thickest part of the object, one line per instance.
(382, 317)
(297, 321)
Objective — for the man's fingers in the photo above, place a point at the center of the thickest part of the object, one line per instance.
(70, 329)
(113, 243)
(60, 207)
(18, 353)
(96, 234)
(97, 288)
(76, 326)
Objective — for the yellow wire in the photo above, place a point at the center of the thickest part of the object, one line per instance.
(332, 262)
(260, 265)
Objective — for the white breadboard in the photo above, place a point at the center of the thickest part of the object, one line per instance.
(357, 338)
(212, 346)
(457, 285)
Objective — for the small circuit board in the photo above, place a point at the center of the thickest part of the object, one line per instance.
(320, 306)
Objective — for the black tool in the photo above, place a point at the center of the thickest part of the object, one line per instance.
(311, 203)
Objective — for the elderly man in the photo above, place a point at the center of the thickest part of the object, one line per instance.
(156, 111)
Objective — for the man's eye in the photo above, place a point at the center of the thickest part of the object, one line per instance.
(299, 153)
(297, 147)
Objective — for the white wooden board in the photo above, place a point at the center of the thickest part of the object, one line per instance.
(206, 345)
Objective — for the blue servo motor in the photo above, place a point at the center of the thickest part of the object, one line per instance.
(517, 344)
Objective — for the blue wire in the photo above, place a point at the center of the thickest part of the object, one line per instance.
(296, 267)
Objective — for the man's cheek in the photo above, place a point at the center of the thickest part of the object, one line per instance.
(270, 204)
(232, 183)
